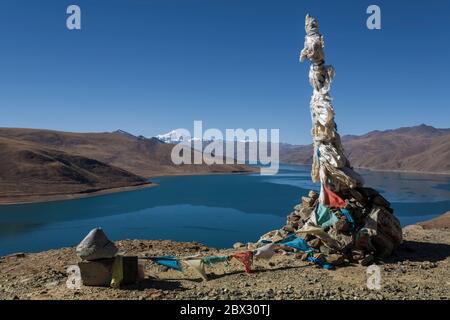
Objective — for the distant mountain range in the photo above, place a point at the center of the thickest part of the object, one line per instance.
(420, 148)
(177, 136)
(174, 136)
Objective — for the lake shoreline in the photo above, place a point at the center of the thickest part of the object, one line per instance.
(404, 171)
(36, 199)
(191, 174)
(380, 170)
(28, 199)
(417, 270)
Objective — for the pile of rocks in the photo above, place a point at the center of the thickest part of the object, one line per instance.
(346, 221)
(371, 231)
(101, 261)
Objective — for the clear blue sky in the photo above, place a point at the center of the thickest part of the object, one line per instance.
(149, 66)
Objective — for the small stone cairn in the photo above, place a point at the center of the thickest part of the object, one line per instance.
(101, 264)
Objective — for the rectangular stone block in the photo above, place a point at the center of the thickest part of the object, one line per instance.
(99, 272)
(96, 273)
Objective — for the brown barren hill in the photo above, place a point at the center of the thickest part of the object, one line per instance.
(139, 155)
(417, 149)
(30, 172)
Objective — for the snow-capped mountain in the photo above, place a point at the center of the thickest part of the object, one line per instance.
(178, 135)
(174, 136)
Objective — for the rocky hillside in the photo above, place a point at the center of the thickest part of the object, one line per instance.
(28, 170)
(421, 148)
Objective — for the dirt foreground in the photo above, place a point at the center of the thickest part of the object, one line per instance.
(418, 270)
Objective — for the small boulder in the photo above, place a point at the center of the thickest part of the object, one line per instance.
(96, 245)
(305, 213)
(238, 245)
(288, 228)
(314, 195)
(336, 259)
(308, 202)
(367, 260)
(315, 243)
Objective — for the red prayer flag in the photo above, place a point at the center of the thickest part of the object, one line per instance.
(332, 200)
(246, 258)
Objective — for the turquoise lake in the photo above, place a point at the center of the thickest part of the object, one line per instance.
(217, 210)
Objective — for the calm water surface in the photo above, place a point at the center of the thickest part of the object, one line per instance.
(216, 210)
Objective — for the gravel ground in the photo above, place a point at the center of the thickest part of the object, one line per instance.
(419, 269)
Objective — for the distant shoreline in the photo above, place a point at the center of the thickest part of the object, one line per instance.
(35, 199)
(379, 170)
(187, 174)
(404, 171)
(29, 199)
